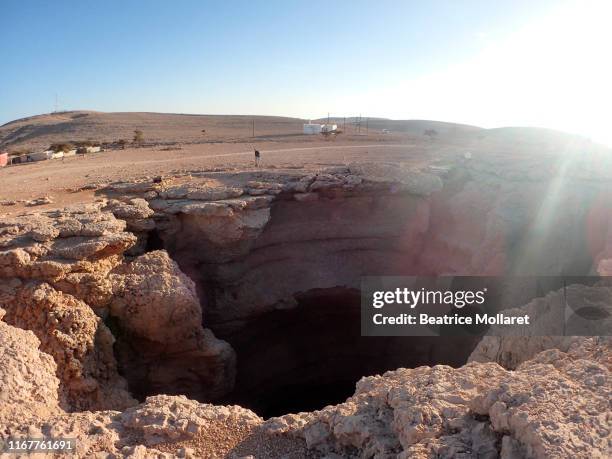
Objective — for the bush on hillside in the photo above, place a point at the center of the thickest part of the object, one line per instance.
(19, 152)
(138, 136)
(65, 147)
(87, 143)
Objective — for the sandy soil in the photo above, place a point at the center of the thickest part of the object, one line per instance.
(63, 180)
(175, 144)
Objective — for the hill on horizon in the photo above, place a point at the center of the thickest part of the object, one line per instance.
(39, 131)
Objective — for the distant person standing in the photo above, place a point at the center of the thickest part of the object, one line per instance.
(257, 156)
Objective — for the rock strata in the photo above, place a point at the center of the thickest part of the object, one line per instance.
(107, 303)
(554, 405)
(64, 276)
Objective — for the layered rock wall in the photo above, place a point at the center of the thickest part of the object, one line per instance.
(251, 241)
(83, 295)
(63, 274)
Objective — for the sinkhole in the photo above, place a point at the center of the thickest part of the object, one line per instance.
(311, 356)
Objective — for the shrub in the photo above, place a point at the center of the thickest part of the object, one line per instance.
(87, 143)
(138, 136)
(19, 152)
(65, 147)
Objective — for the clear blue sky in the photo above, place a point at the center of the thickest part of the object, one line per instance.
(295, 58)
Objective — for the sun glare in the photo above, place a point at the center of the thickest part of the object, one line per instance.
(554, 72)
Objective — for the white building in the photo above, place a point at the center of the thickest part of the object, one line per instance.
(41, 156)
(329, 127)
(316, 128)
(312, 128)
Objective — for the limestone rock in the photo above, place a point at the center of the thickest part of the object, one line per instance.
(159, 314)
(134, 209)
(28, 385)
(556, 405)
(164, 418)
(253, 242)
(553, 406)
(551, 317)
(78, 341)
(39, 201)
(154, 300)
(415, 182)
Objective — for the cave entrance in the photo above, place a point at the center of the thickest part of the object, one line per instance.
(154, 241)
(305, 358)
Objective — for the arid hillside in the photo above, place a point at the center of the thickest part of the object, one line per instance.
(39, 131)
(42, 130)
(169, 129)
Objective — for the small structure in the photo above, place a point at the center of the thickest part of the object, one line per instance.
(83, 150)
(41, 156)
(316, 128)
(18, 159)
(3, 159)
(327, 128)
(312, 128)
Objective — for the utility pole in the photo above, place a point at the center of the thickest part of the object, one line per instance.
(253, 132)
(55, 106)
(344, 124)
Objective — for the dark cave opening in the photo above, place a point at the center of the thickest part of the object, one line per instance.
(154, 241)
(311, 356)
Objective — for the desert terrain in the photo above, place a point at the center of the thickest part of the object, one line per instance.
(170, 299)
(164, 128)
(175, 144)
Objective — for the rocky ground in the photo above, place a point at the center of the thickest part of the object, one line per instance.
(84, 292)
(554, 405)
(56, 183)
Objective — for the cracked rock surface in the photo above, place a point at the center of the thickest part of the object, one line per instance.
(64, 276)
(133, 281)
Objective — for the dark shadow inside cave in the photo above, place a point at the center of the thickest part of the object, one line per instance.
(154, 241)
(305, 358)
